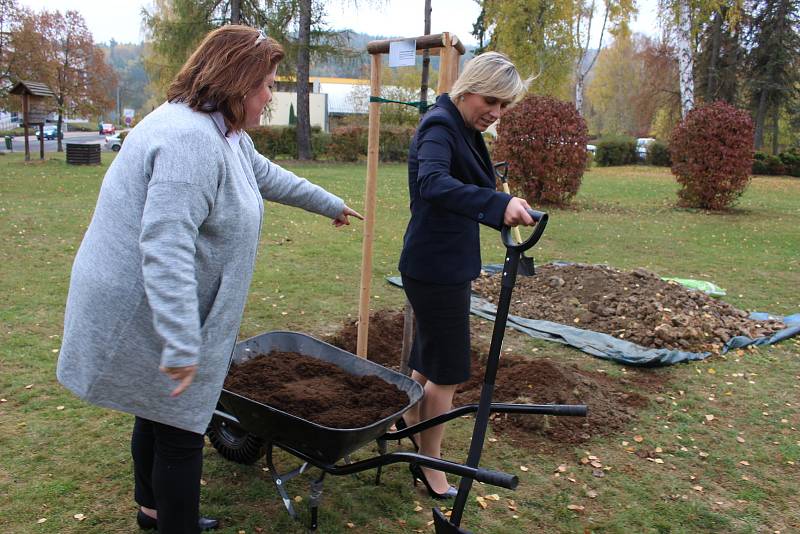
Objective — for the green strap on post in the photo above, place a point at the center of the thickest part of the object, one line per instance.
(419, 104)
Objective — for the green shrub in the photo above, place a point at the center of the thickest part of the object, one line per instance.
(712, 155)
(350, 143)
(280, 141)
(658, 154)
(791, 161)
(544, 142)
(395, 142)
(615, 151)
(775, 166)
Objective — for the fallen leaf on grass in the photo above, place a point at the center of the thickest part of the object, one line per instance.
(29, 386)
(575, 507)
(638, 439)
(79, 517)
(481, 502)
(591, 494)
(42, 520)
(596, 464)
(709, 417)
(418, 508)
(698, 488)
(561, 468)
(493, 497)
(350, 525)
(523, 468)
(744, 462)
(740, 439)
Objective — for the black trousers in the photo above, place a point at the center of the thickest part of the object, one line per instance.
(167, 465)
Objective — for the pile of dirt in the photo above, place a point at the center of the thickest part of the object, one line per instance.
(384, 340)
(611, 401)
(612, 406)
(636, 306)
(315, 390)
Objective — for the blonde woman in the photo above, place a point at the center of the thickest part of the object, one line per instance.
(452, 187)
(160, 280)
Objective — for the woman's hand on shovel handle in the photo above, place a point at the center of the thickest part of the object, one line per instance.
(517, 213)
(183, 374)
(343, 218)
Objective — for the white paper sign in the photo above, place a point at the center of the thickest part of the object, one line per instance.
(403, 53)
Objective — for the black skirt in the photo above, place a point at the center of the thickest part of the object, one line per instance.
(441, 349)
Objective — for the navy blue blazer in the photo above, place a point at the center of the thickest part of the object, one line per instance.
(452, 187)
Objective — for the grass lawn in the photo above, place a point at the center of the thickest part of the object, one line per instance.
(738, 471)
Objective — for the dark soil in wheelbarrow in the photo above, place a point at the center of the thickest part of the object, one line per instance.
(315, 390)
(636, 306)
(613, 402)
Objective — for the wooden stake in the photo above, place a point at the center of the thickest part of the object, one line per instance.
(369, 206)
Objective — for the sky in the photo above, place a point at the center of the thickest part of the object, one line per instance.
(121, 19)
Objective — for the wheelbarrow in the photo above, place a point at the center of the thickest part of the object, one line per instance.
(243, 430)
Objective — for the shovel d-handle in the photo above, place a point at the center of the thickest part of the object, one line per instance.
(540, 218)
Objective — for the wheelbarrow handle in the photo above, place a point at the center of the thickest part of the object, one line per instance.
(497, 478)
(507, 237)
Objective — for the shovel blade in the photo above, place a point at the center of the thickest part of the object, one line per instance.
(444, 526)
(526, 267)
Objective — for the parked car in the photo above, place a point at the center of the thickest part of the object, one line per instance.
(591, 148)
(113, 142)
(50, 132)
(107, 128)
(641, 147)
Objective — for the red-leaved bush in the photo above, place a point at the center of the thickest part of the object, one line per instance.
(544, 142)
(712, 155)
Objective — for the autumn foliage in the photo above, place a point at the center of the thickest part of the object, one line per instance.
(712, 155)
(544, 142)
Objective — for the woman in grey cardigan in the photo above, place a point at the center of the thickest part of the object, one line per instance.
(160, 280)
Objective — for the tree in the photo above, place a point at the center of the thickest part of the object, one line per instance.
(615, 85)
(59, 51)
(658, 99)
(772, 62)
(177, 26)
(686, 18)
(537, 35)
(720, 54)
(615, 14)
(9, 21)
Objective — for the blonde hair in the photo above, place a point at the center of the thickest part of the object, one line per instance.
(230, 62)
(490, 74)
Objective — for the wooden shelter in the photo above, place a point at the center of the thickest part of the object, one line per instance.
(449, 49)
(35, 108)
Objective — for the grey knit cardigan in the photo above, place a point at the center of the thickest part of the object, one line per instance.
(162, 274)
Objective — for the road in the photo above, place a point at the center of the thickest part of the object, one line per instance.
(52, 146)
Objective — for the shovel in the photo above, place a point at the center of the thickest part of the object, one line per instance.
(514, 252)
(526, 267)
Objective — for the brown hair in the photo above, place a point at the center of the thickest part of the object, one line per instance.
(229, 63)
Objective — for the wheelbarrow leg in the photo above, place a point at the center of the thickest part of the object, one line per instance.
(281, 479)
(381, 450)
(314, 498)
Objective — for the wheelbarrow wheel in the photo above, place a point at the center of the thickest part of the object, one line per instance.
(233, 442)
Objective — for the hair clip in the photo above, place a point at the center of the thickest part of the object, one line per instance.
(261, 37)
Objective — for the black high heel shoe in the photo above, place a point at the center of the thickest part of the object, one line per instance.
(146, 522)
(401, 425)
(417, 474)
